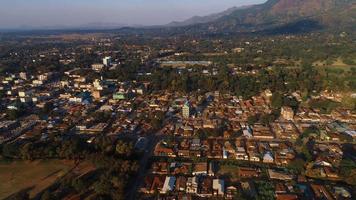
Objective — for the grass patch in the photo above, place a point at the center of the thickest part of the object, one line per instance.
(229, 171)
(337, 64)
(37, 175)
(325, 106)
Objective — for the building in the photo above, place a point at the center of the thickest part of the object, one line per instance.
(98, 84)
(23, 75)
(186, 110)
(169, 184)
(107, 61)
(287, 113)
(96, 94)
(119, 96)
(200, 169)
(97, 67)
(219, 187)
(192, 185)
(268, 158)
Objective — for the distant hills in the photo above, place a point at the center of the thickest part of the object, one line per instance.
(271, 17)
(276, 16)
(205, 19)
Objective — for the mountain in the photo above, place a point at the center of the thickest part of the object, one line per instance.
(205, 19)
(275, 16)
(294, 14)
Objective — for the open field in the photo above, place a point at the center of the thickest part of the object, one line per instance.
(337, 64)
(231, 171)
(36, 175)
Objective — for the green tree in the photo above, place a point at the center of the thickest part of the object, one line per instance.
(277, 100)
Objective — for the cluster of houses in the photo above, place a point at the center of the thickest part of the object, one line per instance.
(189, 180)
(279, 153)
(197, 179)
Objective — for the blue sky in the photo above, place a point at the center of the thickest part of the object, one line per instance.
(37, 13)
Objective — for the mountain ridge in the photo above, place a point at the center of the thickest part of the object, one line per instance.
(298, 15)
(205, 19)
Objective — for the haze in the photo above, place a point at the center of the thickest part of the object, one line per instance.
(55, 13)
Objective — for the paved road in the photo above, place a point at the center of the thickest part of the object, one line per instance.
(152, 140)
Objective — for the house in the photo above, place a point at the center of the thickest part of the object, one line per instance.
(212, 168)
(320, 192)
(169, 184)
(181, 183)
(195, 144)
(286, 197)
(331, 173)
(268, 157)
(160, 168)
(218, 187)
(287, 113)
(180, 168)
(162, 150)
(241, 153)
(200, 169)
(272, 174)
(192, 185)
(185, 153)
(245, 172)
(205, 188)
(187, 131)
(231, 191)
(254, 157)
(280, 188)
(97, 67)
(247, 133)
(152, 184)
(341, 193)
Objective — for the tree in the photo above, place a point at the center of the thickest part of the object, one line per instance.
(78, 185)
(297, 165)
(252, 119)
(46, 195)
(348, 170)
(265, 191)
(123, 148)
(277, 100)
(26, 151)
(103, 187)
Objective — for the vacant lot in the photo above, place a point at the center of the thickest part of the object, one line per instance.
(37, 175)
(229, 171)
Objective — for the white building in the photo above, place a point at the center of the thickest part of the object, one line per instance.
(23, 75)
(268, 157)
(186, 110)
(98, 84)
(97, 67)
(287, 113)
(192, 185)
(219, 187)
(169, 184)
(107, 61)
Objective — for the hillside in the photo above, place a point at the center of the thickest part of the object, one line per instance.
(205, 19)
(278, 16)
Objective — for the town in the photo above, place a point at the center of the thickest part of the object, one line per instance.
(198, 140)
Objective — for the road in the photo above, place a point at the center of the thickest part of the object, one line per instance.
(152, 140)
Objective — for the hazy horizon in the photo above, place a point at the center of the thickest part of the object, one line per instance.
(66, 13)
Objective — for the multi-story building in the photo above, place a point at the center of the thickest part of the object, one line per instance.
(186, 110)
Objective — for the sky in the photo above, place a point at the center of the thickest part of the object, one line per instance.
(52, 13)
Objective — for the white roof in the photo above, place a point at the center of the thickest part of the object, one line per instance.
(351, 133)
(247, 133)
(268, 156)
